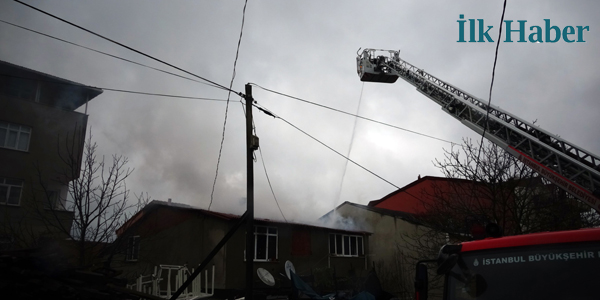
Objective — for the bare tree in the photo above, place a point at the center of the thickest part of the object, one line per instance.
(97, 197)
(488, 185)
(485, 185)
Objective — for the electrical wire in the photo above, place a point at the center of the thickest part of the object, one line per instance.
(262, 159)
(227, 106)
(264, 166)
(221, 86)
(268, 112)
(487, 114)
(116, 90)
(127, 47)
(351, 114)
(107, 54)
(162, 95)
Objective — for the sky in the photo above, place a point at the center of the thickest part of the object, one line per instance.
(306, 49)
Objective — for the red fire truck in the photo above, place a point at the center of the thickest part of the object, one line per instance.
(550, 265)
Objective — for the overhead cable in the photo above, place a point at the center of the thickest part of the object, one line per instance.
(127, 47)
(270, 113)
(162, 95)
(227, 106)
(351, 114)
(487, 113)
(262, 159)
(115, 90)
(107, 54)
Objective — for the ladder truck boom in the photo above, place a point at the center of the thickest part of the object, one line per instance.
(571, 167)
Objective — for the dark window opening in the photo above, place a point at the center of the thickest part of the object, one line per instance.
(265, 239)
(346, 245)
(133, 248)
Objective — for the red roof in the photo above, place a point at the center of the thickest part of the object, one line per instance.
(543, 238)
(411, 197)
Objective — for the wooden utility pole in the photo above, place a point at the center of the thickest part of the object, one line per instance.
(252, 145)
(248, 217)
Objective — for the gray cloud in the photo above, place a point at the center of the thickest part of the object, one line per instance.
(306, 49)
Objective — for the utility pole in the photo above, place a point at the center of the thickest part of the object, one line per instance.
(248, 217)
(252, 145)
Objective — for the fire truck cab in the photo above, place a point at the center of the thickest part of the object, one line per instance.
(548, 265)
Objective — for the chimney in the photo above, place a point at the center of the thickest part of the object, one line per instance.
(169, 201)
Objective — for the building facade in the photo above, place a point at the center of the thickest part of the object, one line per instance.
(389, 254)
(40, 134)
(165, 233)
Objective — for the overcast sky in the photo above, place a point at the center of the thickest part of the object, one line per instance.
(306, 49)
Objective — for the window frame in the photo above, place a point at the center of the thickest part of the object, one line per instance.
(21, 131)
(9, 187)
(133, 248)
(345, 240)
(267, 234)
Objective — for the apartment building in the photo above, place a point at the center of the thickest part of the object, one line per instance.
(41, 142)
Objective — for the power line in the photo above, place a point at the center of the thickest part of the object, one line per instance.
(351, 114)
(264, 166)
(107, 54)
(127, 47)
(487, 113)
(269, 113)
(262, 159)
(117, 90)
(266, 111)
(163, 95)
(227, 106)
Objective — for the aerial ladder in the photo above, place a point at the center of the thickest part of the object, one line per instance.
(568, 166)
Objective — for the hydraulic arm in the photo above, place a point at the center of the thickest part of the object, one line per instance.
(571, 167)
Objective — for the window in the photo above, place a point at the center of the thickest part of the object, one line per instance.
(265, 243)
(10, 191)
(346, 245)
(133, 248)
(13, 136)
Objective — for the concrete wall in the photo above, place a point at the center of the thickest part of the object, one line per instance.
(175, 238)
(387, 247)
(305, 265)
(178, 237)
(50, 128)
(41, 163)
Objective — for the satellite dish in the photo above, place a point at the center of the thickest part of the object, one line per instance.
(265, 276)
(289, 267)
